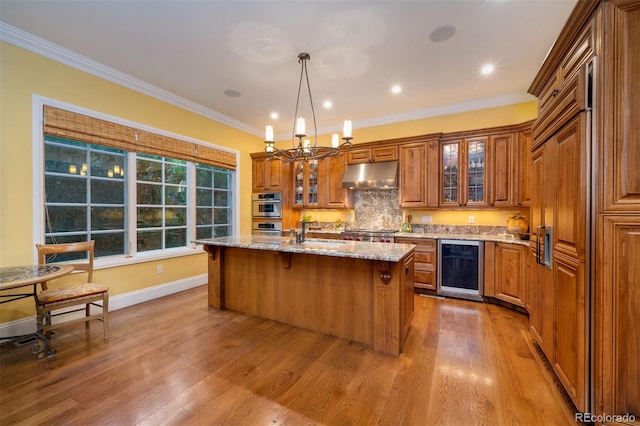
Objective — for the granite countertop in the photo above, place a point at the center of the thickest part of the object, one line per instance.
(390, 252)
(498, 238)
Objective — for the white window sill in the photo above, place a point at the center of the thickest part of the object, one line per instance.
(116, 261)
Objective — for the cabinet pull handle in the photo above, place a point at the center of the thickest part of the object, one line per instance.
(538, 245)
(555, 93)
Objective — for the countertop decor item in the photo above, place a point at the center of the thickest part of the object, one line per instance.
(518, 225)
(305, 149)
(407, 226)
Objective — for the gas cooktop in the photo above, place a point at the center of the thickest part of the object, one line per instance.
(372, 235)
(371, 231)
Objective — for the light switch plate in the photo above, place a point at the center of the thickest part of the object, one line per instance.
(425, 219)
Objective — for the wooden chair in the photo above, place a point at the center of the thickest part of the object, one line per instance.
(57, 298)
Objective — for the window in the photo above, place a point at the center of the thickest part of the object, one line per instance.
(161, 214)
(88, 189)
(85, 195)
(213, 202)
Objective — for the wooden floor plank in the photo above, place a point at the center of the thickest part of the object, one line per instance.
(175, 361)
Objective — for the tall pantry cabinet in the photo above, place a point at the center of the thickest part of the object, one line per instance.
(585, 210)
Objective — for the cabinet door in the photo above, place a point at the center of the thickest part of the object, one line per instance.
(620, 167)
(450, 174)
(510, 272)
(384, 153)
(305, 184)
(474, 172)
(412, 175)
(570, 319)
(267, 175)
(525, 139)
(358, 156)
(618, 316)
(332, 194)
(571, 189)
(258, 174)
(433, 174)
(504, 170)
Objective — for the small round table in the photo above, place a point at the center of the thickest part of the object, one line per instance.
(15, 277)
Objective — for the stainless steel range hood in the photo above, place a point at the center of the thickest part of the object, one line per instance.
(383, 175)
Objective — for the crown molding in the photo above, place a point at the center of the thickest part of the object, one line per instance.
(50, 50)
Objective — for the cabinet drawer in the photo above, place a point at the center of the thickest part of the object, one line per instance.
(425, 257)
(385, 153)
(356, 156)
(425, 277)
(570, 101)
(581, 52)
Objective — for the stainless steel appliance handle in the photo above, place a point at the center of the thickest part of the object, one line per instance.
(539, 259)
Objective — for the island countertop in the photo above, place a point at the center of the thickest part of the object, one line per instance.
(390, 252)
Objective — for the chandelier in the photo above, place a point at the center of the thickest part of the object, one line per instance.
(304, 149)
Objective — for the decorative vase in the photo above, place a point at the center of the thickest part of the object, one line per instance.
(518, 225)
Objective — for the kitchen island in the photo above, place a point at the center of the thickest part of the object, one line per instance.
(355, 290)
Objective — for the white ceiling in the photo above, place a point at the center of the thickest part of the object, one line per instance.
(197, 50)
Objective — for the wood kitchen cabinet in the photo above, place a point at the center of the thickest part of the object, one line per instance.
(506, 272)
(418, 175)
(332, 194)
(425, 261)
(463, 172)
(305, 184)
(617, 281)
(373, 154)
(525, 139)
(267, 175)
(504, 170)
(560, 197)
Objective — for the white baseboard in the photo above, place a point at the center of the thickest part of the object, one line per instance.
(28, 325)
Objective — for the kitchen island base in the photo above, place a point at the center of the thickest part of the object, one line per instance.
(367, 301)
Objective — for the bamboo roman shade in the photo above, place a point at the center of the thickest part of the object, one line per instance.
(83, 128)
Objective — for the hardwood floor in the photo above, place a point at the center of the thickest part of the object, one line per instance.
(175, 361)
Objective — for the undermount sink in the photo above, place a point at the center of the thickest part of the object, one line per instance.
(323, 243)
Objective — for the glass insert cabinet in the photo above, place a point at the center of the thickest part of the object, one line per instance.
(305, 184)
(463, 172)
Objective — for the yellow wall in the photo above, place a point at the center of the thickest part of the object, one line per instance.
(23, 73)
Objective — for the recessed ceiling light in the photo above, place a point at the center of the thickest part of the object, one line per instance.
(232, 93)
(442, 33)
(395, 89)
(327, 104)
(274, 116)
(487, 69)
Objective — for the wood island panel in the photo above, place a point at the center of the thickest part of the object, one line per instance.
(340, 296)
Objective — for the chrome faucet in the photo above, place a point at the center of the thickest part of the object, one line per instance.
(302, 234)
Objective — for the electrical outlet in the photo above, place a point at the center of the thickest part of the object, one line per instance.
(159, 269)
(472, 219)
(425, 219)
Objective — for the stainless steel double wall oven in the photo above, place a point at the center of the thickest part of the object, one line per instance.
(266, 209)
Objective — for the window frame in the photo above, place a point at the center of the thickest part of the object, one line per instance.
(38, 187)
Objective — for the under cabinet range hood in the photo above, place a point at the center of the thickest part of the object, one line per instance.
(382, 175)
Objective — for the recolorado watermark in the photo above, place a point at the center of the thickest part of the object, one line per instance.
(602, 418)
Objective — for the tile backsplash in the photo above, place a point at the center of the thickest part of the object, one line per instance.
(377, 209)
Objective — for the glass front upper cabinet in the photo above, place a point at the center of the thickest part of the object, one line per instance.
(463, 173)
(476, 174)
(305, 184)
(450, 173)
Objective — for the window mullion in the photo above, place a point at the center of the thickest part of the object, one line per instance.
(191, 202)
(132, 205)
